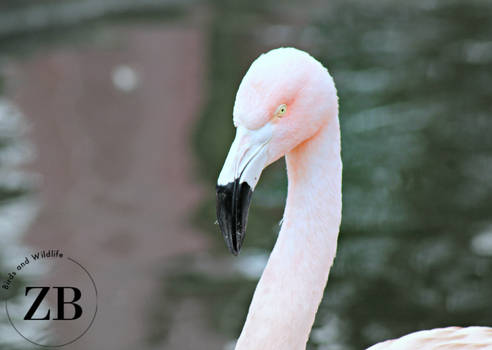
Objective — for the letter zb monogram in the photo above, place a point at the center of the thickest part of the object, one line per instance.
(61, 302)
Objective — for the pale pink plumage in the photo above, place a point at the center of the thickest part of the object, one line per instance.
(450, 338)
(288, 294)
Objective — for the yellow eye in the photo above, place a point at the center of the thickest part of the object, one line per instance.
(281, 110)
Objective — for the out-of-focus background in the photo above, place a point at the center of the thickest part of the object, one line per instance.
(115, 119)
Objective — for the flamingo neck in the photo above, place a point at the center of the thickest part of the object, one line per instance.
(291, 287)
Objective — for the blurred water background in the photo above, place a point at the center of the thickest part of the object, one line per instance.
(115, 119)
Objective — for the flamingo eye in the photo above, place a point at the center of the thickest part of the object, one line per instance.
(281, 110)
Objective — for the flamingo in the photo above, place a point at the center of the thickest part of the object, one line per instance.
(287, 104)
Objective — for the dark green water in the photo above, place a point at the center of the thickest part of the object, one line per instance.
(415, 87)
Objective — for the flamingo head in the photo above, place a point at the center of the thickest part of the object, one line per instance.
(283, 100)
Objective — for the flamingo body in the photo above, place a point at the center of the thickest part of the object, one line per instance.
(449, 338)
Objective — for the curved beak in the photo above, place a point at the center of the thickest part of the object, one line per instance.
(237, 180)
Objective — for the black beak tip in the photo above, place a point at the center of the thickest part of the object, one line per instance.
(234, 252)
(233, 202)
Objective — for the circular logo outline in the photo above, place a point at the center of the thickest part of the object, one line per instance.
(78, 337)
